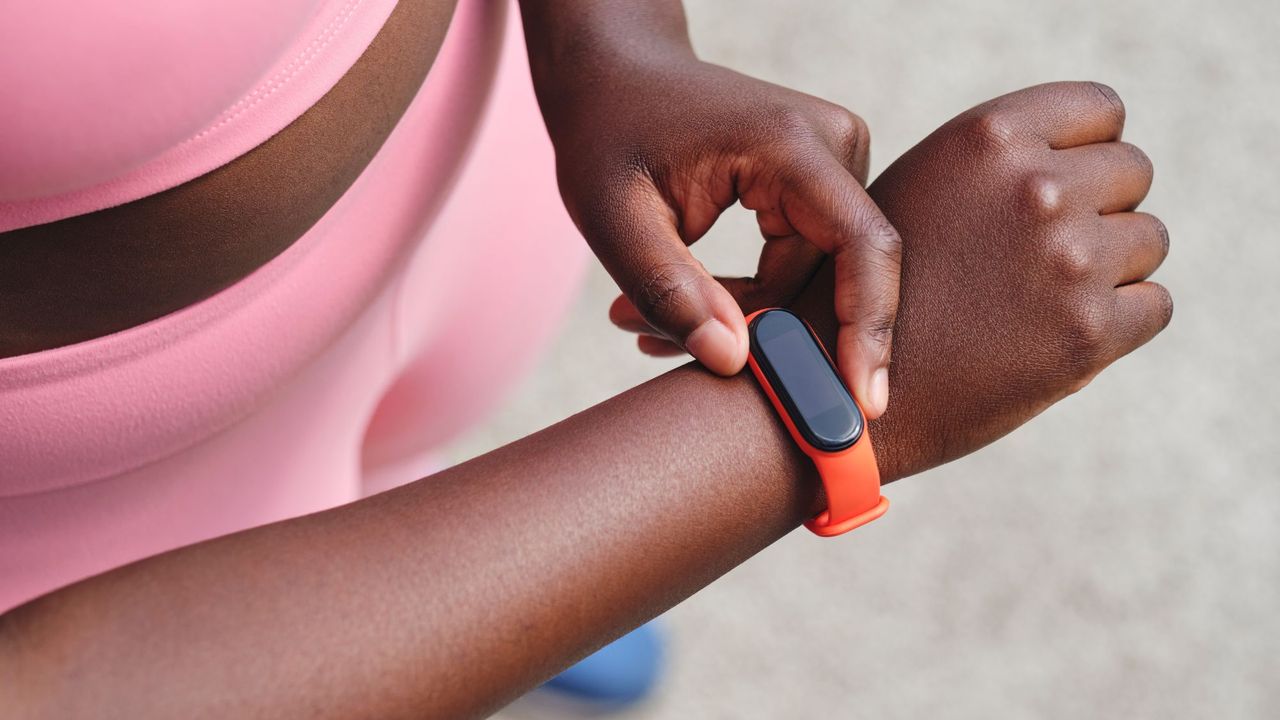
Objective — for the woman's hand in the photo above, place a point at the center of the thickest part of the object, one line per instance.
(1024, 268)
(653, 144)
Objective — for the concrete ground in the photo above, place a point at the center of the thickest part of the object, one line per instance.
(1120, 555)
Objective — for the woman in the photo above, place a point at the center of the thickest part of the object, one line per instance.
(276, 348)
(280, 115)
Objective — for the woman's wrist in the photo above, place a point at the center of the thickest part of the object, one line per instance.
(577, 49)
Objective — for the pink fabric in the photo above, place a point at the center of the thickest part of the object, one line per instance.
(107, 102)
(255, 405)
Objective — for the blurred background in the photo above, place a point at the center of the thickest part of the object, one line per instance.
(1120, 555)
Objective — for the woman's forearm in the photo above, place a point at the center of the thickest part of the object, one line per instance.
(573, 38)
(578, 48)
(445, 598)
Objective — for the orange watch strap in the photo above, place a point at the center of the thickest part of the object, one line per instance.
(850, 477)
(852, 482)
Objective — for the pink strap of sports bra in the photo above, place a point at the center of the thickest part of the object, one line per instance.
(108, 102)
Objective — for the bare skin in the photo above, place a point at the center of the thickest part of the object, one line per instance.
(451, 596)
(653, 144)
(88, 276)
(1029, 171)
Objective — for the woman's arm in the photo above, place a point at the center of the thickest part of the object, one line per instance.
(451, 596)
(444, 598)
(653, 144)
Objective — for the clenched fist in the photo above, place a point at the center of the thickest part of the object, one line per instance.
(1024, 268)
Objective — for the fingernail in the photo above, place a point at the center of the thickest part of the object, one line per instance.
(714, 345)
(878, 392)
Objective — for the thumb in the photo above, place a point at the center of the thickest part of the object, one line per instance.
(636, 239)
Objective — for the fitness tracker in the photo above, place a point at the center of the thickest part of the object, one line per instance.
(797, 374)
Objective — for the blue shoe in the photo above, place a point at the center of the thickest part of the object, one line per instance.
(618, 675)
(616, 678)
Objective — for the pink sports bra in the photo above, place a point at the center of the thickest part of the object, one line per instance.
(174, 90)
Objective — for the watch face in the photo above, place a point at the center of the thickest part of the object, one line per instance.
(805, 381)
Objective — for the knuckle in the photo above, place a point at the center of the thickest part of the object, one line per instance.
(1070, 262)
(991, 128)
(875, 249)
(873, 231)
(1042, 196)
(1087, 326)
(664, 292)
(875, 328)
(879, 329)
(872, 308)
(850, 129)
(879, 341)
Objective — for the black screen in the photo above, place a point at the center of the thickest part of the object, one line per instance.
(805, 381)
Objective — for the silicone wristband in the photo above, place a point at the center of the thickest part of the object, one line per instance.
(850, 476)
